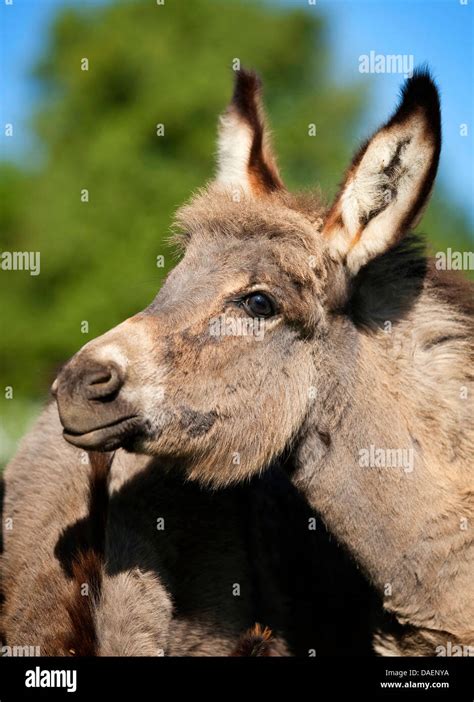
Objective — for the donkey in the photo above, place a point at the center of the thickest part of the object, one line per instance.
(320, 339)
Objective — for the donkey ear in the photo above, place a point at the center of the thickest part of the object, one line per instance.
(390, 180)
(244, 156)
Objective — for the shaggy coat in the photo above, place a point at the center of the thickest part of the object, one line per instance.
(321, 339)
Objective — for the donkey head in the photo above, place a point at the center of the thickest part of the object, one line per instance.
(225, 368)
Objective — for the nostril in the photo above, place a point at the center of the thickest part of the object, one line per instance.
(102, 382)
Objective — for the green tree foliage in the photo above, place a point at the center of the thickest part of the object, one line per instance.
(150, 65)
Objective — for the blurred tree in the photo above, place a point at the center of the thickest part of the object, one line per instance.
(151, 65)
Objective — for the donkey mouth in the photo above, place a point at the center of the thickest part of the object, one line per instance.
(106, 437)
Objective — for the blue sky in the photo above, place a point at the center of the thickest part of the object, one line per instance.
(438, 32)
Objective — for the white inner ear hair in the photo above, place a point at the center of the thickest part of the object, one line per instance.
(383, 190)
(233, 151)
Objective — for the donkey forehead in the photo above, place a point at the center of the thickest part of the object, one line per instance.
(219, 214)
(212, 273)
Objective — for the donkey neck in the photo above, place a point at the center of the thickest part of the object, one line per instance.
(384, 478)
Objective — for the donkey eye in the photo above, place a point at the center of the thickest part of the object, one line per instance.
(259, 305)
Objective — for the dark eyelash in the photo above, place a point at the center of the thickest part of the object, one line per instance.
(239, 300)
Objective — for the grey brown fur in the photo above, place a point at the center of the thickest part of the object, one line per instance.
(170, 591)
(369, 346)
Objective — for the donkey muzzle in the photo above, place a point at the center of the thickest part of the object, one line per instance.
(93, 413)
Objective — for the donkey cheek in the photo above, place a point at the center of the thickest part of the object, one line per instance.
(196, 423)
